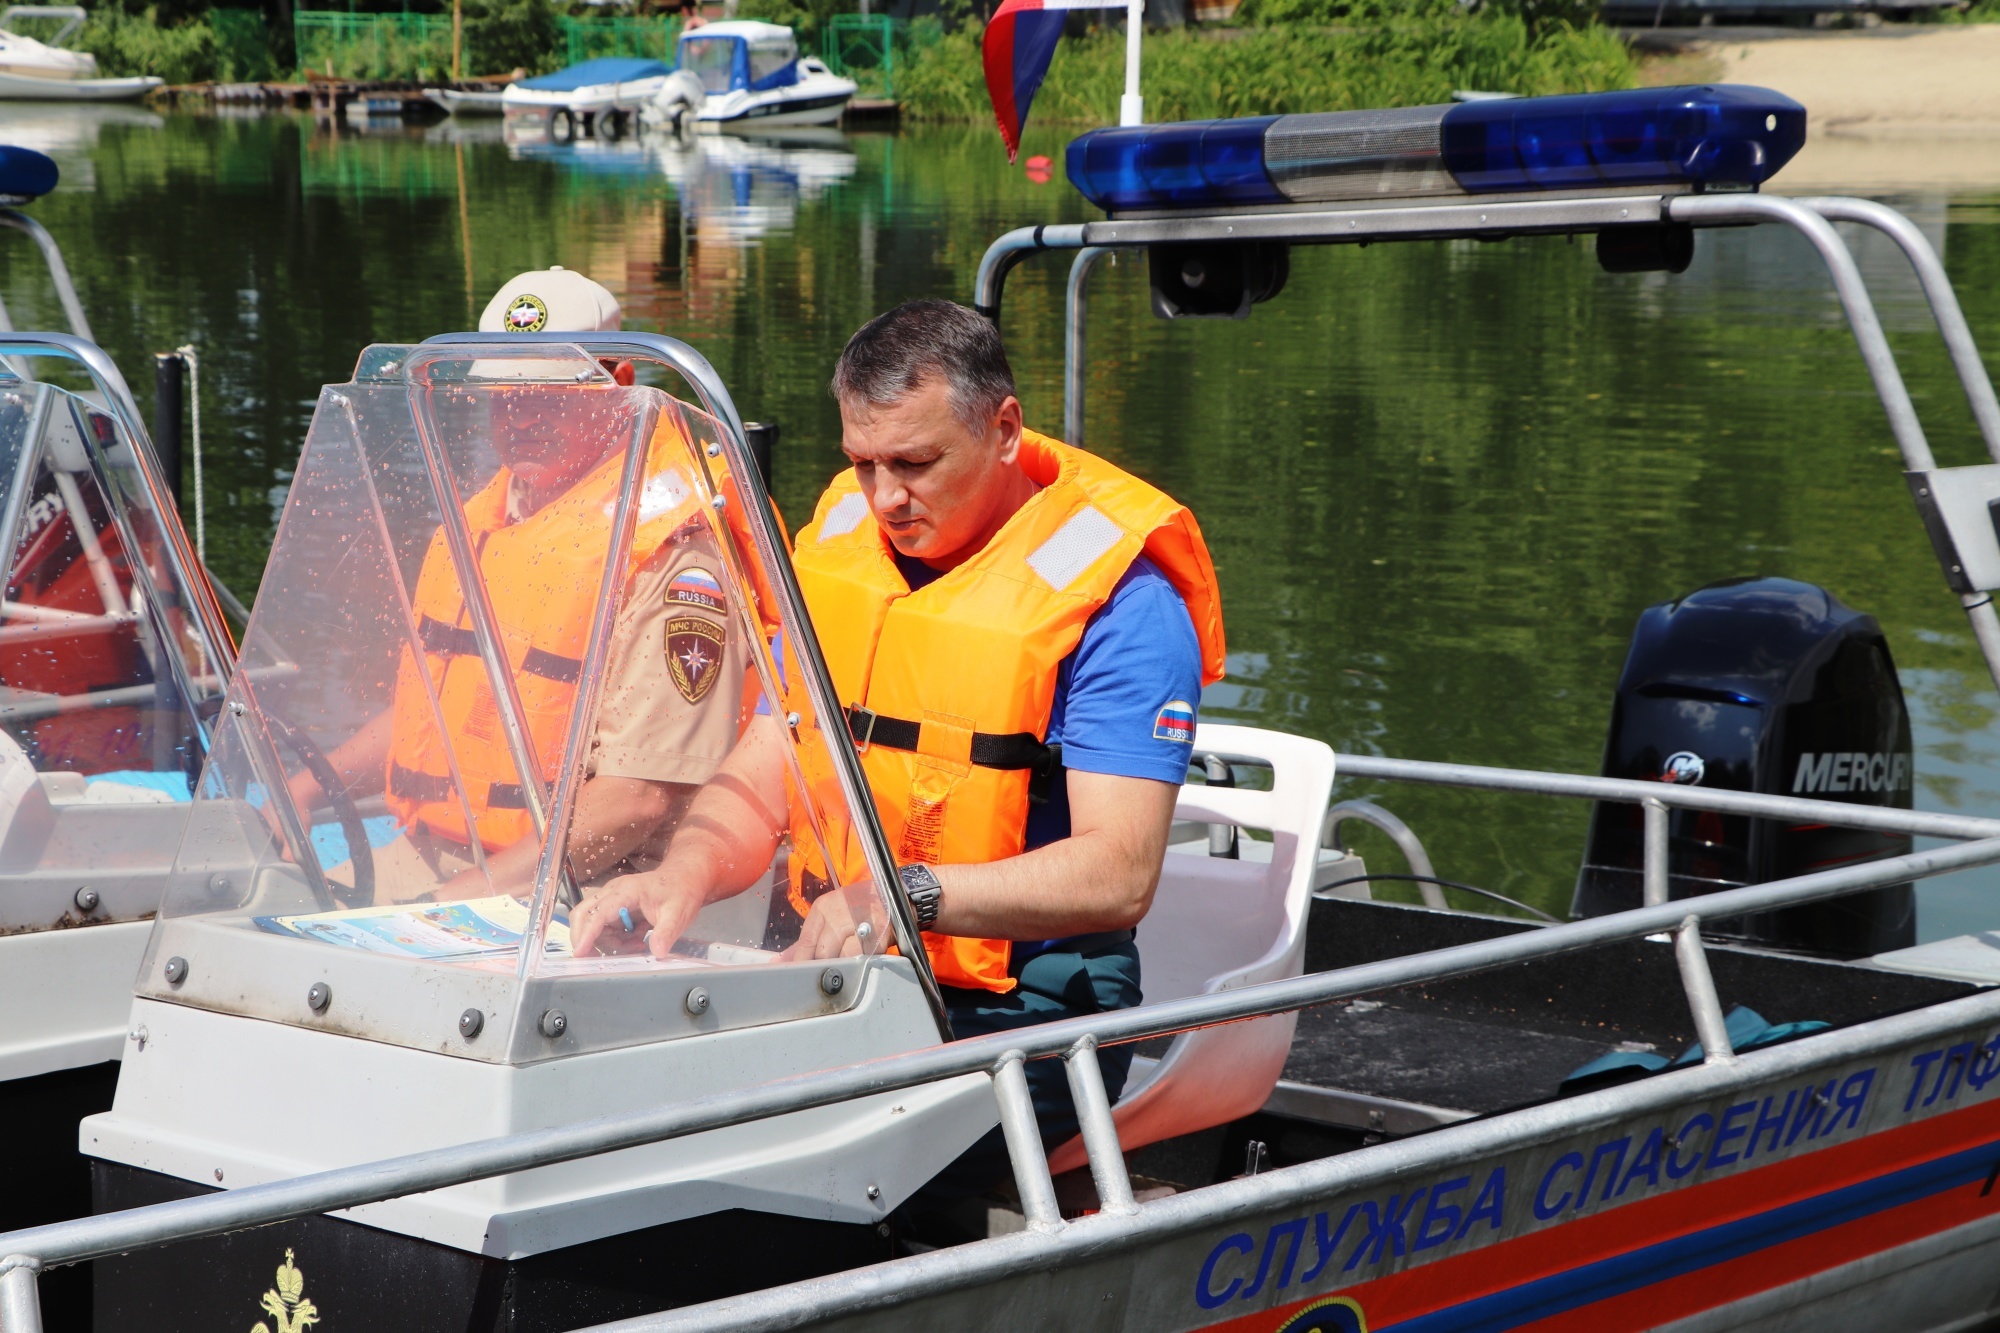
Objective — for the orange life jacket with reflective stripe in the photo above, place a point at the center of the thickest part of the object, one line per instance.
(976, 653)
(542, 576)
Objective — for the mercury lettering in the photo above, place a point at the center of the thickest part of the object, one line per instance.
(1851, 771)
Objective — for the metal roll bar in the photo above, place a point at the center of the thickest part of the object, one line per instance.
(1497, 216)
(23, 1253)
(713, 395)
(58, 270)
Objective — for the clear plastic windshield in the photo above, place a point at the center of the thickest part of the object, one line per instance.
(712, 60)
(106, 674)
(536, 658)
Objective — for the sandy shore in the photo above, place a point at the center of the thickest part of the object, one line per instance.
(1888, 106)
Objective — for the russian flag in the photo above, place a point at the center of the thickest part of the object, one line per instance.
(1020, 41)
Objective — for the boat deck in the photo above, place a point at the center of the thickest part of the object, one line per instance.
(1405, 1060)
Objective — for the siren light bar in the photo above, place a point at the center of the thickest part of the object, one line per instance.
(1713, 136)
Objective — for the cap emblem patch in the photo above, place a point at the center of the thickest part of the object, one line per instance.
(527, 313)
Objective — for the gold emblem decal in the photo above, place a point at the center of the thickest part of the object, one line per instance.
(287, 1303)
(694, 655)
(1334, 1314)
(527, 314)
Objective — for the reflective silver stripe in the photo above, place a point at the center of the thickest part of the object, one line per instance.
(844, 517)
(1075, 547)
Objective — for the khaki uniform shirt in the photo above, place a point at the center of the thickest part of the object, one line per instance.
(673, 685)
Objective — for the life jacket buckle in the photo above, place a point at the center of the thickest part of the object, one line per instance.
(861, 726)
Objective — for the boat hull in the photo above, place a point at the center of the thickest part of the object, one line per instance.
(802, 103)
(1845, 1181)
(27, 88)
(459, 103)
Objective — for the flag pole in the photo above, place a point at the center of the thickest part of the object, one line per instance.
(1131, 107)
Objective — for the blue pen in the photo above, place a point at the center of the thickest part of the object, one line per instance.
(625, 919)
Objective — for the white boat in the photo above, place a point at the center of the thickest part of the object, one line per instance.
(606, 93)
(754, 74)
(458, 102)
(37, 71)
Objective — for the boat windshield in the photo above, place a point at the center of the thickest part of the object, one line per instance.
(770, 55)
(526, 612)
(105, 674)
(713, 60)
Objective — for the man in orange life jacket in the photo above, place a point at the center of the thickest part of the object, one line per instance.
(1021, 632)
(669, 711)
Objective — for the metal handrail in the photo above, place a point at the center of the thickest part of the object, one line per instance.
(71, 1242)
(1584, 786)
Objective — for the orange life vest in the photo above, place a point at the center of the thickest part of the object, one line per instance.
(973, 658)
(542, 576)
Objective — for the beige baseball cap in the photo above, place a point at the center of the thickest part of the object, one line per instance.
(551, 300)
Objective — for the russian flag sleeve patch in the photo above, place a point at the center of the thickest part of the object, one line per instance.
(1175, 722)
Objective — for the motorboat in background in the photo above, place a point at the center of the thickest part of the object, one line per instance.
(600, 96)
(753, 72)
(47, 71)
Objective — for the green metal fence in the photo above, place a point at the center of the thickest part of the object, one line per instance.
(589, 38)
(373, 46)
(869, 48)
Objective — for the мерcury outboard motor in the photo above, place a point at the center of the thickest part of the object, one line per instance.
(1764, 685)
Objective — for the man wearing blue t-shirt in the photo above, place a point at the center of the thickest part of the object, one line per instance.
(958, 557)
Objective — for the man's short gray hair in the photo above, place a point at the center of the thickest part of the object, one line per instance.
(894, 355)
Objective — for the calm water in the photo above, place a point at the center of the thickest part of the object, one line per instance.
(1440, 480)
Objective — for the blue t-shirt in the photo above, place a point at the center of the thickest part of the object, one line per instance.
(1125, 697)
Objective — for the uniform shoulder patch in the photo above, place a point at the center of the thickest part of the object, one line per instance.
(694, 655)
(527, 313)
(1175, 722)
(695, 586)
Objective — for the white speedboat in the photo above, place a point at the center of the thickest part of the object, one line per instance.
(460, 102)
(603, 94)
(753, 73)
(37, 71)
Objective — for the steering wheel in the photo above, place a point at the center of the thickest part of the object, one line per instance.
(344, 810)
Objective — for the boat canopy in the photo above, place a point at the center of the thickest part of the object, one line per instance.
(391, 813)
(741, 54)
(107, 674)
(596, 73)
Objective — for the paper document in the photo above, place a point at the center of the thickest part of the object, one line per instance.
(473, 928)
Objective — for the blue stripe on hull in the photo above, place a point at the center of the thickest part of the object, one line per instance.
(1669, 1259)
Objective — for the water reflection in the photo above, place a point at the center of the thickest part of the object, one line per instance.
(1440, 480)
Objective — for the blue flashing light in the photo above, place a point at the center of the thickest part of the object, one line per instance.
(25, 175)
(1719, 134)
(1190, 164)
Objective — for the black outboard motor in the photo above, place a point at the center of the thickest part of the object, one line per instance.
(1761, 685)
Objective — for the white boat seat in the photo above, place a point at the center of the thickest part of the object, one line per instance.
(1217, 924)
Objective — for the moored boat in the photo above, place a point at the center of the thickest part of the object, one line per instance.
(46, 71)
(754, 74)
(601, 96)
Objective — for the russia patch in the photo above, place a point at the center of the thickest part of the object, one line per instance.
(696, 587)
(1175, 723)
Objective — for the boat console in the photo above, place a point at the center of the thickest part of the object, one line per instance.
(110, 665)
(332, 944)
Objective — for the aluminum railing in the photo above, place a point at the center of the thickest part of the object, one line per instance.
(1002, 1057)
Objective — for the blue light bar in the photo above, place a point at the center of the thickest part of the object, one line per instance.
(1705, 137)
(25, 175)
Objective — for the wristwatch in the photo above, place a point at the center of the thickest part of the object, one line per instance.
(924, 893)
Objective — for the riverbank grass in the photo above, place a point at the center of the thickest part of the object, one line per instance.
(1195, 75)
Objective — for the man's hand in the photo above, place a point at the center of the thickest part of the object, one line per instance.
(664, 901)
(831, 928)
